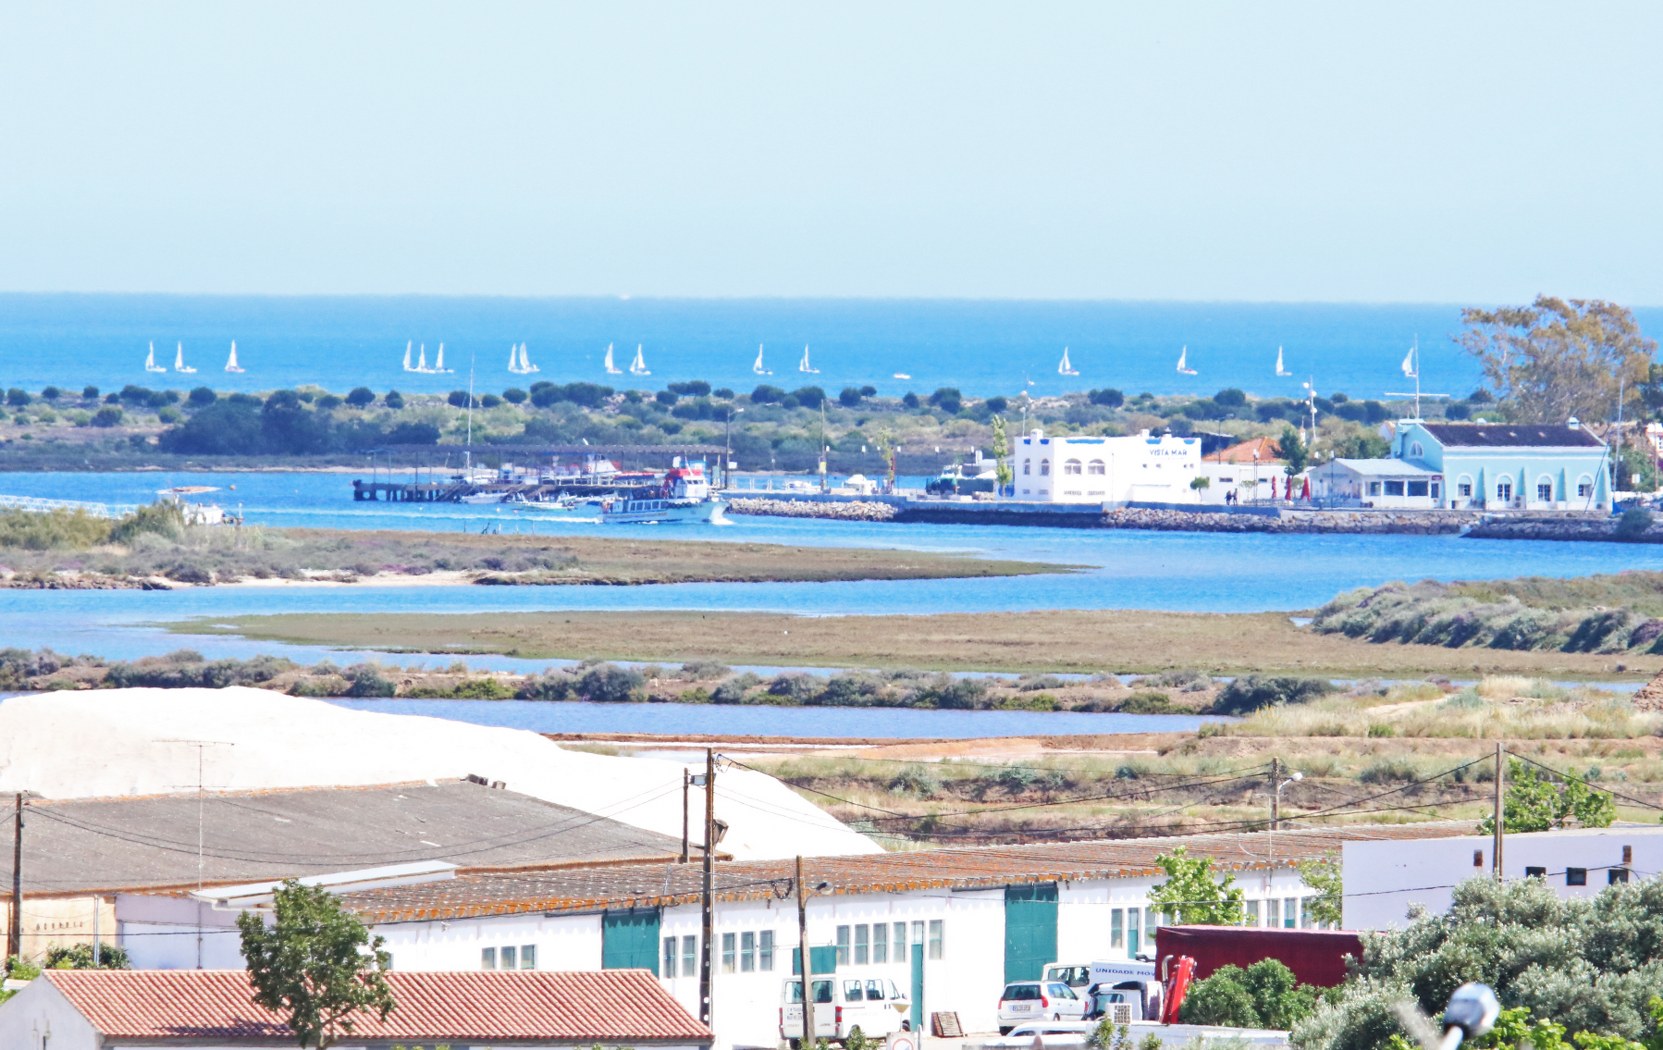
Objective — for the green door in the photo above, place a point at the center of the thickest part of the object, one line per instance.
(917, 961)
(629, 940)
(1030, 930)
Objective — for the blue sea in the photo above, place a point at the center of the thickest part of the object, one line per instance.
(982, 347)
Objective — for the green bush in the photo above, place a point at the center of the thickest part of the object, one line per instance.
(1264, 995)
(366, 680)
(916, 780)
(1251, 693)
(611, 684)
(1148, 702)
(733, 690)
(1633, 524)
(79, 957)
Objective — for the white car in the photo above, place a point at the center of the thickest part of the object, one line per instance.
(1060, 1035)
(1024, 1001)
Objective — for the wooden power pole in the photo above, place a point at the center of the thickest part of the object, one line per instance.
(707, 964)
(14, 929)
(804, 955)
(1500, 812)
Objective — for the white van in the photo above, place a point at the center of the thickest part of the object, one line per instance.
(842, 1004)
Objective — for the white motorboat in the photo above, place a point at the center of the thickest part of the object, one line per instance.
(567, 504)
(685, 498)
(480, 498)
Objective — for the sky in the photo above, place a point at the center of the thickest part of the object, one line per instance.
(1376, 151)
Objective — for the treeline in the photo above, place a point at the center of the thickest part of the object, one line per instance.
(288, 422)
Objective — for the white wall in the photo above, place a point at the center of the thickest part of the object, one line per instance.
(41, 1010)
(1135, 467)
(177, 933)
(1382, 879)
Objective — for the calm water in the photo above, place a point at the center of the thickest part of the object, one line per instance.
(835, 722)
(984, 348)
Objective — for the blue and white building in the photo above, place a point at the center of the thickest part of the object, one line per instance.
(1142, 467)
(1477, 466)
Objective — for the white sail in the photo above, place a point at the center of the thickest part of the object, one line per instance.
(759, 368)
(231, 362)
(1410, 365)
(421, 359)
(408, 346)
(1280, 370)
(611, 369)
(1065, 367)
(179, 361)
(439, 359)
(1183, 362)
(638, 367)
(804, 366)
(150, 364)
(526, 366)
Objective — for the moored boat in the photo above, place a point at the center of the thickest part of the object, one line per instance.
(685, 497)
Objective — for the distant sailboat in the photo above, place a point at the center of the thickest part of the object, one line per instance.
(804, 366)
(179, 364)
(526, 367)
(439, 362)
(611, 369)
(1065, 367)
(1411, 362)
(231, 362)
(150, 364)
(1183, 363)
(421, 360)
(408, 346)
(1279, 369)
(638, 367)
(759, 368)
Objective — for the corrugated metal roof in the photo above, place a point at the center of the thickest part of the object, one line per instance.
(1380, 468)
(1511, 435)
(660, 885)
(606, 1006)
(247, 836)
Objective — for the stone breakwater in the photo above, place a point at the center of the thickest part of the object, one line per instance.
(1597, 529)
(1424, 523)
(855, 510)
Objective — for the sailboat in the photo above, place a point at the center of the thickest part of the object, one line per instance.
(526, 367)
(150, 364)
(1183, 363)
(1065, 367)
(1411, 366)
(638, 367)
(611, 369)
(408, 346)
(759, 368)
(231, 362)
(1281, 371)
(421, 360)
(439, 362)
(804, 366)
(179, 364)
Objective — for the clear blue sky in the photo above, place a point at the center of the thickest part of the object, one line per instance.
(1450, 152)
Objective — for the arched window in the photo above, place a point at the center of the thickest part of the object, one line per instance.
(1027, 466)
(1095, 467)
(1463, 486)
(1544, 489)
(1071, 466)
(1584, 487)
(1504, 491)
(1044, 468)
(1416, 451)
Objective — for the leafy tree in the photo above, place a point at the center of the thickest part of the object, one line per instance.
(1002, 473)
(1323, 875)
(1533, 801)
(89, 393)
(1295, 453)
(1559, 358)
(108, 416)
(202, 395)
(360, 397)
(1108, 397)
(393, 400)
(849, 397)
(316, 965)
(1193, 893)
(1264, 995)
(514, 395)
(79, 957)
(767, 393)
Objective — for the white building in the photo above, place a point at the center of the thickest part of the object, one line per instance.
(949, 927)
(1135, 468)
(1383, 879)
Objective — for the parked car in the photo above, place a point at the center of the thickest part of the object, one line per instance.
(874, 1006)
(1063, 1035)
(1038, 1001)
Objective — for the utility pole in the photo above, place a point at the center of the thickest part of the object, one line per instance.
(1275, 794)
(686, 782)
(707, 964)
(14, 930)
(1501, 777)
(804, 953)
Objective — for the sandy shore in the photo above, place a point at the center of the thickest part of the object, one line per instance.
(440, 578)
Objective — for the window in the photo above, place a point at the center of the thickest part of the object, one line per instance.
(853, 992)
(1095, 467)
(875, 990)
(1616, 875)
(1027, 466)
(1150, 921)
(1252, 909)
(918, 936)
(765, 950)
(1628, 854)
(728, 952)
(1584, 487)
(487, 958)
(880, 942)
(900, 942)
(1576, 876)
(1463, 488)
(843, 946)
(1134, 930)
(1394, 488)
(862, 952)
(508, 958)
(1290, 913)
(1117, 928)
(1504, 491)
(668, 965)
(1374, 487)
(747, 952)
(1544, 492)
(690, 955)
(1071, 466)
(1535, 873)
(1273, 912)
(1418, 488)
(528, 957)
(1044, 468)
(1416, 451)
(1478, 858)
(938, 934)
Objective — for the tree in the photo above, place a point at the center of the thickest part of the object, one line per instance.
(1559, 358)
(1264, 995)
(1295, 453)
(1192, 893)
(1199, 484)
(316, 965)
(1323, 875)
(1536, 802)
(79, 957)
(360, 397)
(1001, 456)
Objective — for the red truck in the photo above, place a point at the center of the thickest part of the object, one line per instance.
(1315, 956)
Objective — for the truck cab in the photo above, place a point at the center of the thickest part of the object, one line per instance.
(1131, 983)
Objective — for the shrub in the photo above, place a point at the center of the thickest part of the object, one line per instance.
(360, 397)
(108, 416)
(514, 395)
(1148, 702)
(1633, 524)
(551, 685)
(611, 684)
(1251, 693)
(794, 689)
(366, 680)
(733, 690)
(50, 393)
(704, 670)
(915, 780)
(393, 400)
(79, 957)
(1108, 398)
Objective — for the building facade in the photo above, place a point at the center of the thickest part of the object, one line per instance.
(1141, 468)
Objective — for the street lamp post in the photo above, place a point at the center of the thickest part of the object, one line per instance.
(727, 458)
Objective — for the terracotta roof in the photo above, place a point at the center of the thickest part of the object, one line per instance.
(609, 1006)
(1511, 435)
(661, 885)
(1268, 450)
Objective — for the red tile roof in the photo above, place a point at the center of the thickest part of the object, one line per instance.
(1269, 452)
(609, 1006)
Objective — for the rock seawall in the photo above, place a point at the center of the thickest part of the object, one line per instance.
(1596, 529)
(1424, 523)
(858, 510)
